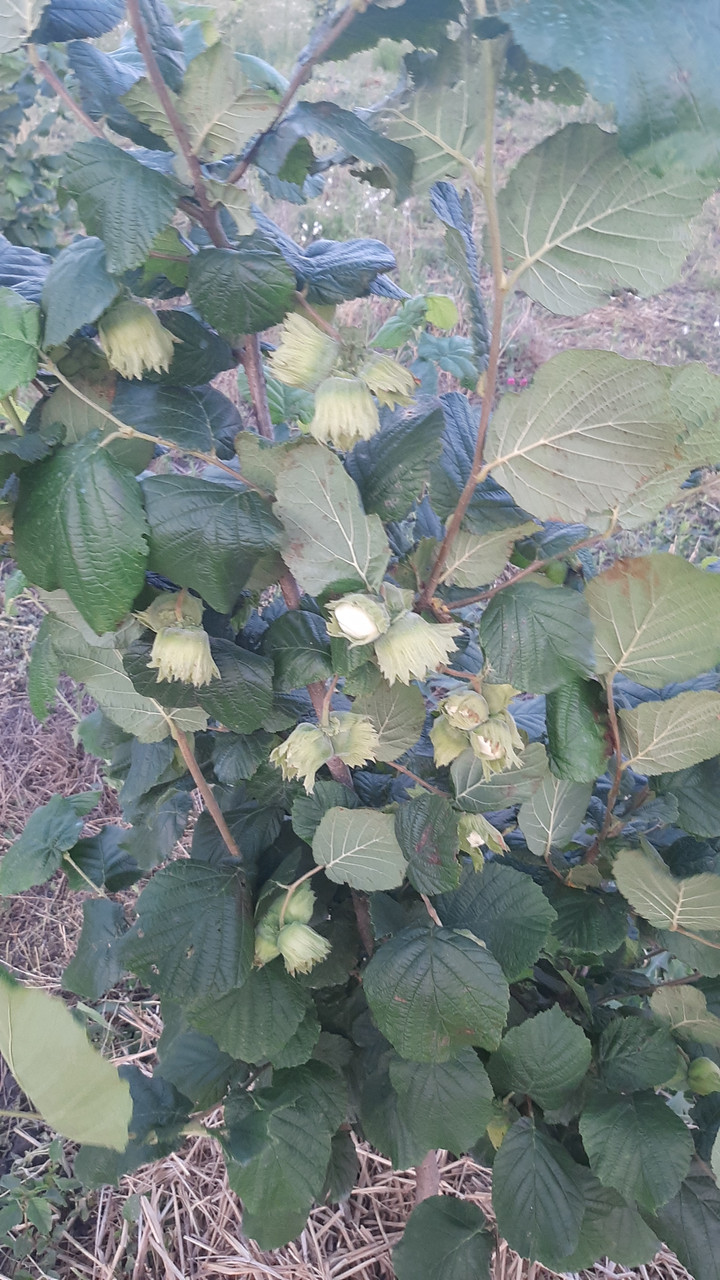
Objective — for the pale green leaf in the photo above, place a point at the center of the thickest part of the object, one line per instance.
(398, 714)
(476, 560)
(221, 108)
(359, 847)
(686, 1011)
(330, 541)
(578, 220)
(17, 19)
(553, 813)
(476, 795)
(19, 341)
(664, 737)
(663, 900)
(77, 1092)
(556, 446)
(656, 619)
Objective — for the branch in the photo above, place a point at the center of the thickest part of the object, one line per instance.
(302, 72)
(57, 85)
(427, 1178)
(499, 291)
(205, 790)
(420, 781)
(251, 360)
(593, 851)
(530, 569)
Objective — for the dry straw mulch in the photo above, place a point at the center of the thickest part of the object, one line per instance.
(176, 1219)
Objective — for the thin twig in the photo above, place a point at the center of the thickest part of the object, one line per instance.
(431, 911)
(499, 288)
(292, 887)
(251, 358)
(57, 85)
(420, 781)
(316, 318)
(530, 569)
(302, 72)
(205, 790)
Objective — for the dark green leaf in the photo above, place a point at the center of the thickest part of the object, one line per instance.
(241, 290)
(77, 20)
(198, 355)
(576, 727)
(77, 289)
(435, 991)
(235, 759)
(697, 791)
(445, 1239)
(506, 909)
(192, 1062)
(382, 1125)
(17, 451)
(256, 1020)
(393, 468)
(535, 636)
(457, 214)
(96, 965)
(690, 1223)
(80, 525)
(444, 1104)
(102, 860)
(298, 646)
(342, 1171)
(426, 828)
(308, 811)
(546, 1056)
(358, 139)
(536, 1196)
(610, 1229)
(637, 1053)
(421, 21)
(19, 341)
(159, 821)
(192, 417)
(587, 921)
(637, 1145)
(242, 697)
(193, 935)
(122, 201)
(43, 672)
(207, 536)
(49, 832)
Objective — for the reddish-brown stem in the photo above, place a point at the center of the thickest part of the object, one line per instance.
(532, 568)
(206, 791)
(427, 1178)
(316, 318)
(58, 87)
(498, 274)
(301, 73)
(420, 781)
(361, 908)
(251, 358)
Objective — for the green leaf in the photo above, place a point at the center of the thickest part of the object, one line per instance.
(207, 536)
(17, 451)
(475, 795)
(697, 791)
(359, 847)
(102, 860)
(300, 1045)
(80, 525)
(64, 412)
(19, 341)
(552, 815)
(685, 1010)
(535, 636)
(49, 832)
(382, 1125)
(392, 469)
(536, 1196)
(656, 619)
(588, 922)
(435, 991)
(441, 117)
(547, 1056)
(330, 542)
(474, 561)
(504, 908)
(426, 828)
(240, 699)
(75, 1090)
(356, 137)
(255, 1021)
(662, 737)
(637, 1145)
(99, 666)
(77, 289)
(308, 811)
(662, 899)
(576, 729)
(193, 936)
(192, 417)
(556, 446)
(198, 355)
(578, 221)
(192, 1062)
(444, 1104)
(398, 714)
(18, 18)
(220, 108)
(445, 1239)
(343, 1169)
(241, 290)
(610, 1229)
(690, 1224)
(298, 646)
(237, 758)
(122, 201)
(96, 965)
(635, 1053)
